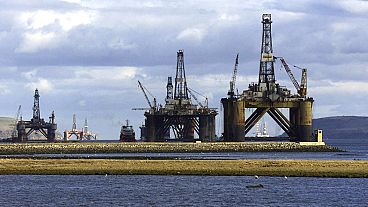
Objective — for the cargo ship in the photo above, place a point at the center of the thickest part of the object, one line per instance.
(127, 133)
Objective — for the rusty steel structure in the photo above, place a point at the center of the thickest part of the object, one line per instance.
(267, 96)
(179, 115)
(36, 124)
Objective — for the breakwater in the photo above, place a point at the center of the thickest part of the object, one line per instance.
(163, 147)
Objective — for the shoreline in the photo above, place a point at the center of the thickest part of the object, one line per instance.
(290, 168)
(159, 147)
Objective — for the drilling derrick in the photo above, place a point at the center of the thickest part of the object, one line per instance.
(36, 107)
(36, 124)
(179, 115)
(169, 89)
(267, 96)
(181, 90)
(266, 66)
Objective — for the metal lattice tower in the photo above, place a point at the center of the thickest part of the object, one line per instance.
(85, 125)
(181, 91)
(74, 123)
(266, 68)
(36, 106)
(169, 88)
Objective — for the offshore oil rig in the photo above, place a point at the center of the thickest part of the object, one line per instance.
(80, 135)
(267, 96)
(179, 114)
(182, 120)
(36, 124)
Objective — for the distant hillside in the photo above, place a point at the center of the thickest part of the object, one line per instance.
(6, 127)
(343, 127)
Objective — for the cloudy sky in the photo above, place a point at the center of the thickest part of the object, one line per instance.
(85, 57)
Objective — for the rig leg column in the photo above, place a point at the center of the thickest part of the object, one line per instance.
(294, 117)
(160, 135)
(207, 128)
(188, 135)
(204, 128)
(212, 128)
(22, 135)
(234, 120)
(305, 121)
(51, 133)
(151, 129)
(66, 135)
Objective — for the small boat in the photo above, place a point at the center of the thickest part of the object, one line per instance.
(255, 186)
(127, 133)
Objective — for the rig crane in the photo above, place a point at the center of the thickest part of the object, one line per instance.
(302, 87)
(233, 78)
(191, 91)
(144, 90)
(14, 132)
(303, 82)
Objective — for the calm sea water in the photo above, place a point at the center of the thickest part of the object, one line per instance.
(34, 190)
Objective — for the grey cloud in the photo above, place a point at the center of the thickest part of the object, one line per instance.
(20, 5)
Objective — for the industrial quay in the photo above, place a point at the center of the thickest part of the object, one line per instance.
(183, 118)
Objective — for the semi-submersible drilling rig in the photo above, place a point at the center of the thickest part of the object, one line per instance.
(38, 124)
(179, 113)
(267, 96)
